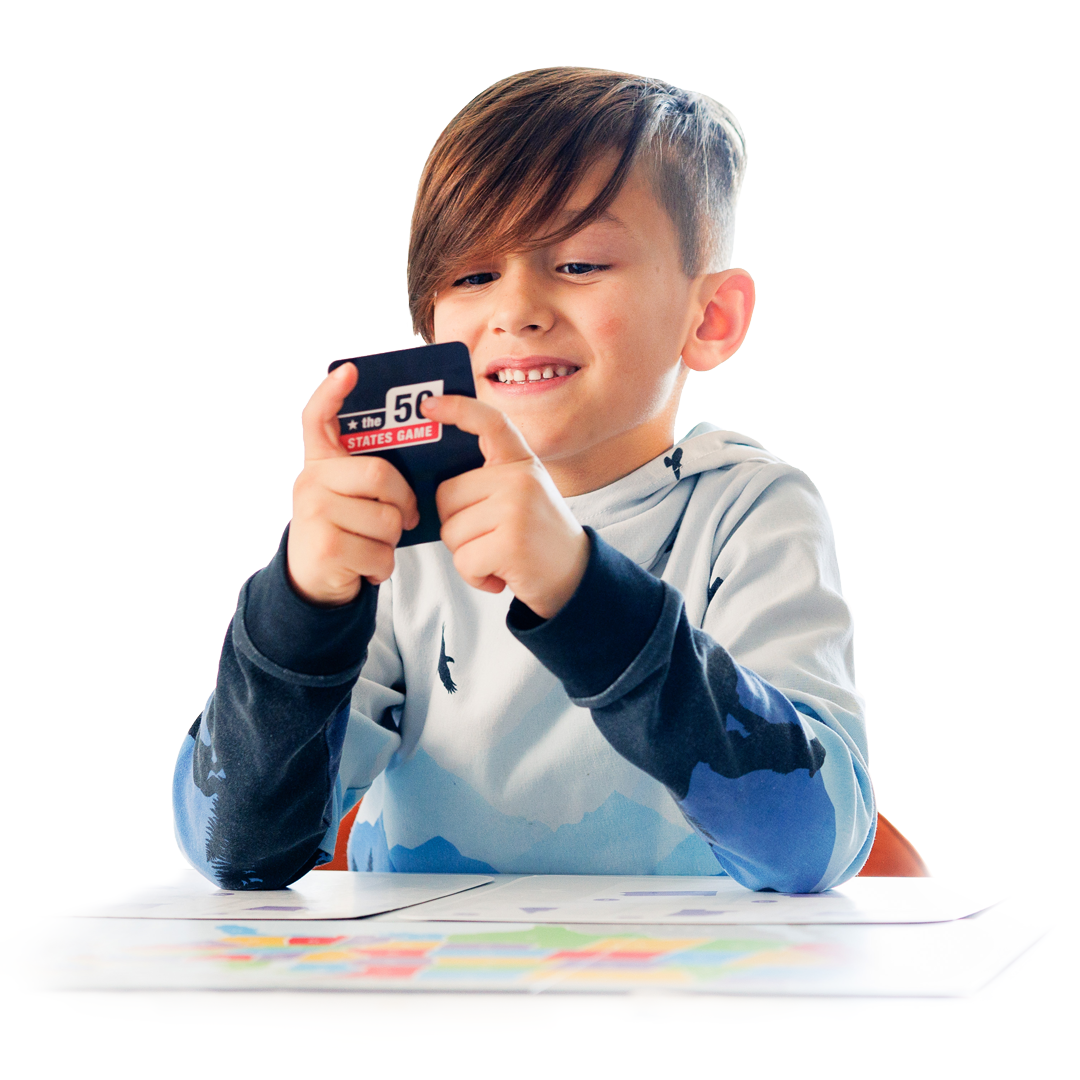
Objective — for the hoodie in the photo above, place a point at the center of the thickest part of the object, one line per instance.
(691, 710)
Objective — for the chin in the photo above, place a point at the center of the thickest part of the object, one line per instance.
(551, 448)
(544, 444)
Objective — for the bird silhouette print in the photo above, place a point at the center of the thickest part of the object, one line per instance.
(444, 666)
(674, 463)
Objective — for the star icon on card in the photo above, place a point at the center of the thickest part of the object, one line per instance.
(352, 425)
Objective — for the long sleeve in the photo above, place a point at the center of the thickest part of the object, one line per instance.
(749, 770)
(256, 788)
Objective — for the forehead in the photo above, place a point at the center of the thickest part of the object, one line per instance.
(635, 213)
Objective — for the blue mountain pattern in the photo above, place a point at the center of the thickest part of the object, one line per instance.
(620, 836)
(772, 824)
(691, 857)
(419, 799)
(368, 851)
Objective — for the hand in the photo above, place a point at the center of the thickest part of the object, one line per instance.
(507, 524)
(348, 512)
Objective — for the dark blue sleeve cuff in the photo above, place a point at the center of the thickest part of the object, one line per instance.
(602, 628)
(303, 637)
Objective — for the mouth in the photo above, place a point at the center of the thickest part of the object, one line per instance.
(530, 371)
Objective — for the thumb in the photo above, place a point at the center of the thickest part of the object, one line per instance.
(500, 441)
(321, 428)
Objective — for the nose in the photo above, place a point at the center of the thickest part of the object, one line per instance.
(520, 306)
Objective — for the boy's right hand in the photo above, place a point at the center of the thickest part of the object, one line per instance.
(348, 512)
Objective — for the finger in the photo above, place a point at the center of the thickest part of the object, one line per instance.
(500, 441)
(363, 517)
(321, 428)
(477, 562)
(363, 477)
(363, 557)
(326, 567)
(454, 495)
(470, 524)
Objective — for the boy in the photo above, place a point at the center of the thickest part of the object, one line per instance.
(668, 688)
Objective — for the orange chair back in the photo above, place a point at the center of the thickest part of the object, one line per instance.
(892, 854)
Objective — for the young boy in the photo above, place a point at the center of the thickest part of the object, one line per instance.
(668, 687)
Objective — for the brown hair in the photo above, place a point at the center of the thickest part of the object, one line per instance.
(506, 163)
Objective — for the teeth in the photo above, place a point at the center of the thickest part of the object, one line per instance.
(516, 375)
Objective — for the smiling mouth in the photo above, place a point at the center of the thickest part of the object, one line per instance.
(541, 373)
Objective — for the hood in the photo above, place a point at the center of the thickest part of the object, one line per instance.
(640, 513)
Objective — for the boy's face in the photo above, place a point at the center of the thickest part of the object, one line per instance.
(579, 343)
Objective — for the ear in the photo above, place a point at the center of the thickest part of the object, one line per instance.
(721, 322)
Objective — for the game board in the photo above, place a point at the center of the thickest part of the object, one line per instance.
(940, 958)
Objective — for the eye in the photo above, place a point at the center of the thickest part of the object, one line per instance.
(577, 269)
(484, 278)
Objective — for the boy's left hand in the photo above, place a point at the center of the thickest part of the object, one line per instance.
(506, 523)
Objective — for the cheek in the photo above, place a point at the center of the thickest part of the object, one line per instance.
(610, 327)
(610, 332)
(663, 319)
(451, 323)
(641, 321)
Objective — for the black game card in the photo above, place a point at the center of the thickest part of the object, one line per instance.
(382, 416)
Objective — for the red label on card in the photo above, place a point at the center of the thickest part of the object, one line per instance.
(362, 442)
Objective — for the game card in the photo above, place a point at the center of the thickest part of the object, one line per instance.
(382, 416)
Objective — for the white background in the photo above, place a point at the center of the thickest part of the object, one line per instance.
(204, 204)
